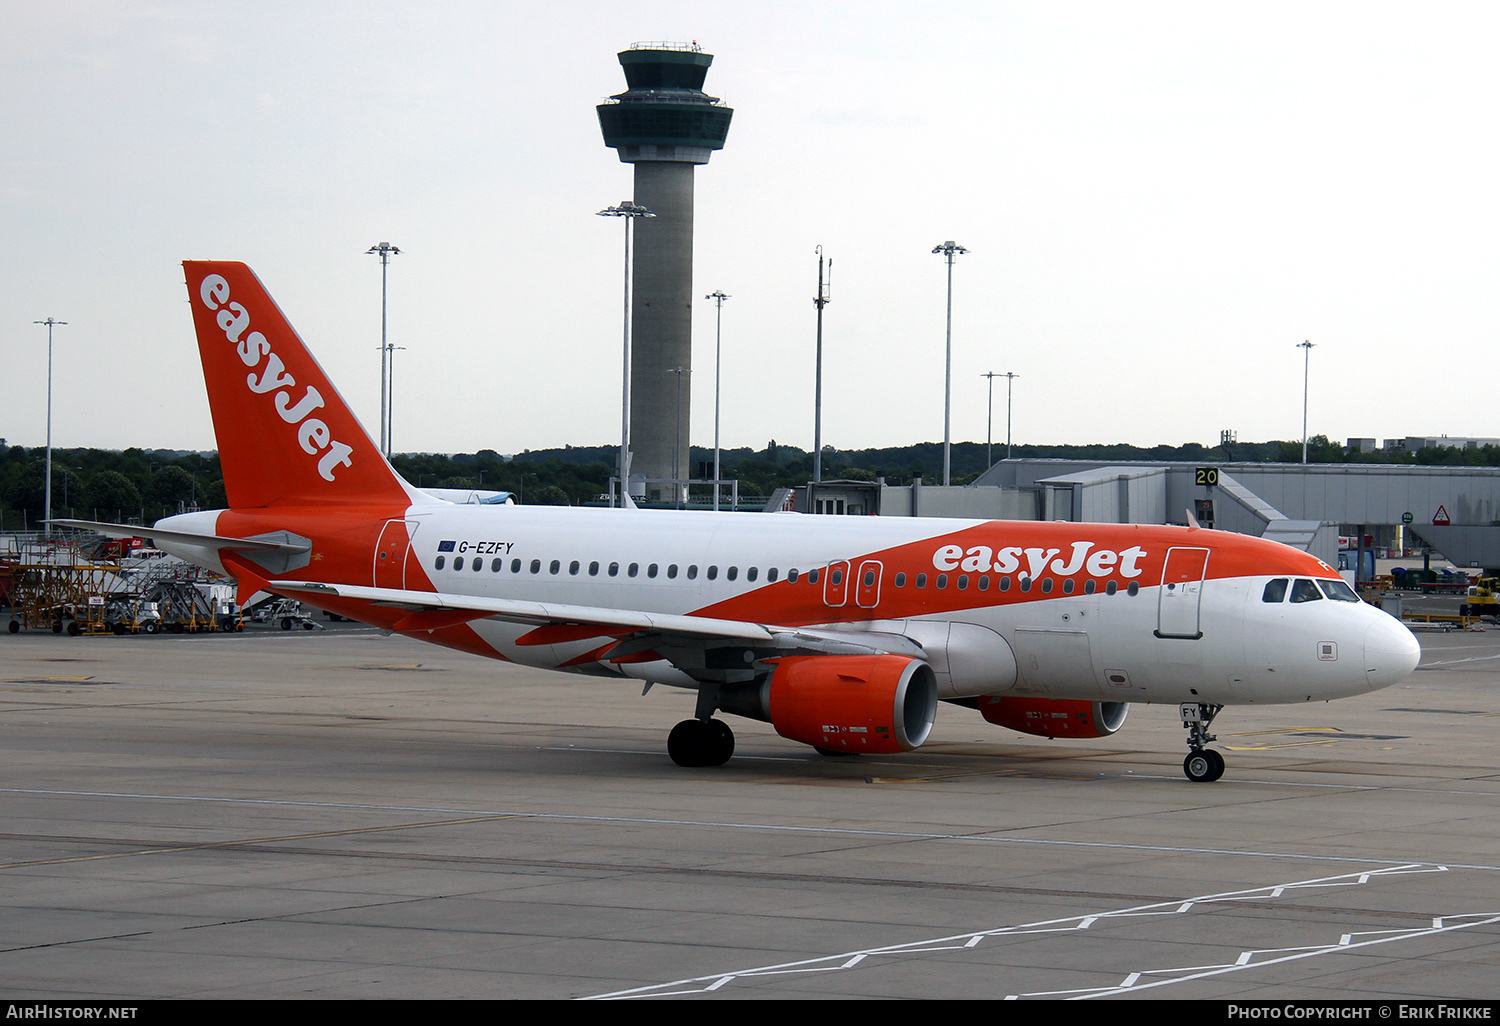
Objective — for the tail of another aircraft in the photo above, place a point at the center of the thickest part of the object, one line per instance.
(285, 435)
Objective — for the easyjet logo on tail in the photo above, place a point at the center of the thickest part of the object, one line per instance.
(255, 352)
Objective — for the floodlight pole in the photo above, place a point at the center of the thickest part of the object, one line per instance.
(629, 210)
(718, 297)
(823, 298)
(1010, 380)
(1306, 348)
(989, 423)
(47, 516)
(385, 251)
(949, 249)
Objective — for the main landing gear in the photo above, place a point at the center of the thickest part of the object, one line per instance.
(700, 743)
(1203, 765)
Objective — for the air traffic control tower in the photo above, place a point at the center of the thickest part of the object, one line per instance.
(664, 124)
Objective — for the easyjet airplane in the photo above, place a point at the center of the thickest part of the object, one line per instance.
(843, 632)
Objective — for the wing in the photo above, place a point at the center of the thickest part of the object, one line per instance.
(684, 639)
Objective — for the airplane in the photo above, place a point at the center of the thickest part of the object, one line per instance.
(844, 633)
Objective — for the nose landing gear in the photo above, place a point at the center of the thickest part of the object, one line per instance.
(1203, 765)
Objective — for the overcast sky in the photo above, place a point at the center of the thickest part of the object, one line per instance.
(1161, 201)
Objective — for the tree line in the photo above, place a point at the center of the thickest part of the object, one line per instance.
(147, 484)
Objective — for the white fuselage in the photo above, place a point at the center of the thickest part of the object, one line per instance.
(993, 618)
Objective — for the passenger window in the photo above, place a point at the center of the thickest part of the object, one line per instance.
(1090, 586)
(942, 580)
(837, 577)
(536, 566)
(1275, 591)
(594, 568)
(554, 567)
(732, 572)
(1005, 584)
(984, 584)
(478, 564)
(496, 564)
(869, 578)
(812, 577)
(671, 571)
(438, 563)
(771, 575)
(515, 566)
(1134, 588)
(614, 569)
(458, 564)
(1111, 588)
(1068, 586)
(791, 576)
(651, 570)
(921, 580)
(573, 568)
(1304, 590)
(1046, 586)
(751, 573)
(1026, 584)
(692, 571)
(963, 582)
(713, 573)
(634, 569)
(1339, 591)
(901, 580)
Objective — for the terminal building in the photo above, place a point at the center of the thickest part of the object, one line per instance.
(1343, 513)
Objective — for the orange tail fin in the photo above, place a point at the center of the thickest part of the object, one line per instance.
(285, 435)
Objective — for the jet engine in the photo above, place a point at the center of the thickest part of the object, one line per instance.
(879, 704)
(1055, 717)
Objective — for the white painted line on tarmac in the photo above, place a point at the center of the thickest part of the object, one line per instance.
(971, 939)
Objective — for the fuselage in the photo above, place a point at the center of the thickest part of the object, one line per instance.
(1114, 613)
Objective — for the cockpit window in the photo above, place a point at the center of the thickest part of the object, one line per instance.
(1339, 591)
(1275, 591)
(1304, 590)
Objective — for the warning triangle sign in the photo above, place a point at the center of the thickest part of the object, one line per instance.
(1440, 518)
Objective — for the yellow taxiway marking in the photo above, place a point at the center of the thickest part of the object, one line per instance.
(40, 680)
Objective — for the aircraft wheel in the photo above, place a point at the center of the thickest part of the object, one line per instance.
(1203, 766)
(695, 743)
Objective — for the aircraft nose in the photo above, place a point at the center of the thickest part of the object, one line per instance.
(1391, 652)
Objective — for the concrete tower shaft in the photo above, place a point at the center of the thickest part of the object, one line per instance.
(664, 124)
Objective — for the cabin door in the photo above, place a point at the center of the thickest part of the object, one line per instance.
(1181, 594)
(391, 552)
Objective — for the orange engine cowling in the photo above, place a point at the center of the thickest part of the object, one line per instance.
(878, 704)
(1055, 717)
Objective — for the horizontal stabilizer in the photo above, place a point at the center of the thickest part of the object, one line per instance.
(184, 537)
